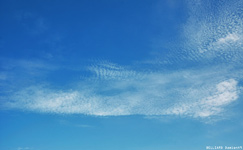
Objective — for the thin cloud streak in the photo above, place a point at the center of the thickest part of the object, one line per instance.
(24, 148)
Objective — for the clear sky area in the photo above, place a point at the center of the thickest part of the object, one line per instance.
(121, 74)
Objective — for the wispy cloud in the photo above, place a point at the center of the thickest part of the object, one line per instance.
(28, 65)
(196, 94)
(212, 34)
(16, 73)
(224, 93)
(108, 71)
(211, 41)
(24, 148)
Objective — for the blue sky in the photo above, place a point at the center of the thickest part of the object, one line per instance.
(120, 75)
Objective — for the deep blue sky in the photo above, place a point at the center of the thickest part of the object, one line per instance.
(120, 74)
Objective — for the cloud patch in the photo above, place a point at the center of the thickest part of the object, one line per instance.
(224, 93)
(212, 34)
(195, 94)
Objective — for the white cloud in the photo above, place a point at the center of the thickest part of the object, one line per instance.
(196, 94)
(229, 38)
(224, 93)
(109, 71)
(211, 34)
(115, 90)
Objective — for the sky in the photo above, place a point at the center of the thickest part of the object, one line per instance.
(121, 74)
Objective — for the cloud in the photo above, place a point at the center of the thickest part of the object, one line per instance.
(212, 34)
(27, 65)
(197, 94)
(229, 38)
(16, 73)
(224, 93)
(108, 70)
(210, 41)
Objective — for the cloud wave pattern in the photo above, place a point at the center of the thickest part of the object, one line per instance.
(177, 93)
(210, 36)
